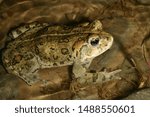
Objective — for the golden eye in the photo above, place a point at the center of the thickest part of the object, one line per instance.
(95, 41)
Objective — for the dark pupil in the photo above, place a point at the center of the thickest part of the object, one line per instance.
(94, 42)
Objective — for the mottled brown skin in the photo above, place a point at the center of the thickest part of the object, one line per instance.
(46, 46)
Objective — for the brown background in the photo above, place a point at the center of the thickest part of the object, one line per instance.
(127, 20)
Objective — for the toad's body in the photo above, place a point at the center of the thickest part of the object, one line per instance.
(53, 46)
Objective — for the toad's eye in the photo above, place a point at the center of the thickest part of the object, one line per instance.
(94, 41)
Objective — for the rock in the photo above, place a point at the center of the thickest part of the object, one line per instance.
(143, 94)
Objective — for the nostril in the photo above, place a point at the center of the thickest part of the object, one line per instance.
(107, 38)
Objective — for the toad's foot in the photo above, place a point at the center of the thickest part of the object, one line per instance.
(107, 76)
(94, 78)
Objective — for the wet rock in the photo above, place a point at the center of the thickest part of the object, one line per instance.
(8, 86)
(143, 94)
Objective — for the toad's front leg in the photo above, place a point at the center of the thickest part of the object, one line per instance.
(83, 77)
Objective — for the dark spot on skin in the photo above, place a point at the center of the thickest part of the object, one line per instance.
(64, 51)
(19, 46)
(43, 57)
(28, 82)
(68, 59)
(66, 28)
(55, 64)
(62, 62)
(73, 49)
(27, 27)
(41, 43)
(10, 35)
(20, 74)
(18, 31)
(28, 56)
(22, 67)
(43, 30)
(34, 78)
(77, 53)
(13, 62)
(70, 56)
(16, 59)
(49, 59)
(106, 44)
(103, 79)
(63, 41)
(36, 50)
(55, 57)
(52, 48)
(47, 37)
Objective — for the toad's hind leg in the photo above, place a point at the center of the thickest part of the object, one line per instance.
(27, 69)
(30, 72)
(22, 62)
